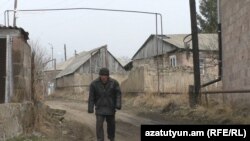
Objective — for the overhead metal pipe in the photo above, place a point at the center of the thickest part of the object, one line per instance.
(163, 79)
(97, 9)
(220, 48)
(69, 9)
(219, 38)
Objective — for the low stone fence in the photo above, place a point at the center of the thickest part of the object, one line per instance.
(16, 119)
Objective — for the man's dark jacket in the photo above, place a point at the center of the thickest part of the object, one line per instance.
(105, 97)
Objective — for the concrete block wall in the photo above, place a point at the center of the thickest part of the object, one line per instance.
(21, 63)
(145, 80)
(16, 119)
(135, 81)
(21, 53)
(171, 79)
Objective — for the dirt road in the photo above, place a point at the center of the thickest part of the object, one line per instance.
(127, 124)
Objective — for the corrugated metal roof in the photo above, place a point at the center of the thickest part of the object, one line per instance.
(79, 60)
(123, 61)
(25, 34)
(63, 65)
(206, 41)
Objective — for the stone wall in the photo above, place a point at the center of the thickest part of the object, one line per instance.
(145, 80)
(144, 75)
(135, 81)
(21, 64)
(21, 70)
(16, 119)
(79, 82)
(235, 44)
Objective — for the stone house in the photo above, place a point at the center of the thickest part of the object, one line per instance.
(164, 64)
(16, 108)
(15, 64)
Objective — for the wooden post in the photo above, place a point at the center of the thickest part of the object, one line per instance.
(106, 57)
(54, 64)
(32, 76)
(195, 41)
(206, 98)
(90, 67)
(191, 96)
(65, 53)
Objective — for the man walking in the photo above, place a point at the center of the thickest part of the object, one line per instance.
(105, 96)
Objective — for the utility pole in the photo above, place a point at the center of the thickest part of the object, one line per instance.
(14, 17)
(219, 37)
(65, 52)
(52, 53)
(75, 53)
(196, 94)
(52, 56)
(157, 53)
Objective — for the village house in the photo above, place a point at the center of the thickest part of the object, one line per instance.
(15, 64)
(50, 73)
(164, 63)
(16, 108)
(85, 67)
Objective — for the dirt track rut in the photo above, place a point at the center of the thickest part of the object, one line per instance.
(127, 124)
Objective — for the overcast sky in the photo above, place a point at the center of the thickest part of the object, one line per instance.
(124, 33)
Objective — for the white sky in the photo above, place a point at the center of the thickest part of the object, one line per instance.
(124, 33)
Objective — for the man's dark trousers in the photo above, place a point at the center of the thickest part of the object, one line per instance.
(110, 119)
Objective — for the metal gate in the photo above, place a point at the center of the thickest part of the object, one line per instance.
(2, 69)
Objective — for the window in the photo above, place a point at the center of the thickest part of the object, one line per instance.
(173, 61)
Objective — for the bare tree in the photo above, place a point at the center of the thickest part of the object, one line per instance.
(212, 56)
(40, 57)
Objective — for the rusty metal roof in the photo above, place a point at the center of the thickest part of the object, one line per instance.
(23, 32)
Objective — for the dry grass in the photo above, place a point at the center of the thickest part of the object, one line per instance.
(155, 101)
(177, 107)
(69, 95)
(233, 110)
